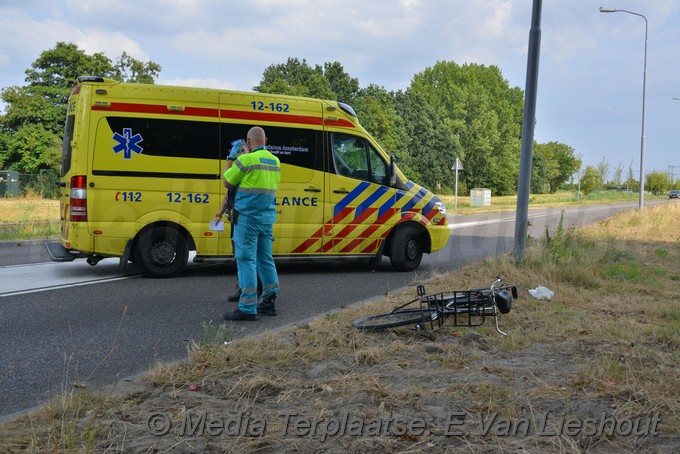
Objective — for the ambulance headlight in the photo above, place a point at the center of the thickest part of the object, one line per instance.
(441, 207)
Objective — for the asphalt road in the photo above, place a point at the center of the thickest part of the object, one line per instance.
(109, 325)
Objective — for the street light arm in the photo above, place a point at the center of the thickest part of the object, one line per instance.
(614, 10)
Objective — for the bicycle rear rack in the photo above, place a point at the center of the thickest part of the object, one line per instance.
(462, 308)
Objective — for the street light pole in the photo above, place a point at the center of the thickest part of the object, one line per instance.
(644, 102)
(528, 121)
(672, 182)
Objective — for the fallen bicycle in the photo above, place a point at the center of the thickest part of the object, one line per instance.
(461, 308)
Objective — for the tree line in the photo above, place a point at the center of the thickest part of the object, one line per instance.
(601, 177)
(448, 111)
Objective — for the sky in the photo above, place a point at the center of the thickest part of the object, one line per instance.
(591, 67)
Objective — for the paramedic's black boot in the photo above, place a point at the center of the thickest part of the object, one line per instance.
(236, 296)
(238, 316)
(267, 306)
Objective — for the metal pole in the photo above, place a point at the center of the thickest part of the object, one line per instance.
(455, 209)
(522, 214)
(672, 167)
(644, 103)
(644, 121)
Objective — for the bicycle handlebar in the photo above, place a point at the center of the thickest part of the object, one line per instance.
(499, 280)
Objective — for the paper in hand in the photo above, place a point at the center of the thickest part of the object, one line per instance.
(218, 226)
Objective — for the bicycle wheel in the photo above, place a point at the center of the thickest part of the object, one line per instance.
(395, 319)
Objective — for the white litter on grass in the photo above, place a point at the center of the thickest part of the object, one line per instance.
(541, 293)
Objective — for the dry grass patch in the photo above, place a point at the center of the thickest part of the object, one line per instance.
(28, 209)
(29, 217)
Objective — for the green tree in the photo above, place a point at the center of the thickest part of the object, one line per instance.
(553, 164)
(377, 112)
(33, 148)
(4, 148)
(340, 83)
(474, 115)
(34, 113)
(602, 171)
(61, 66)
(617, 178)
(657, 182)
(296, 78)
(34, 105)
(128, 69)
(631, 182)
(541, 167)
(432, 144)
(568, 163)
(591, 180)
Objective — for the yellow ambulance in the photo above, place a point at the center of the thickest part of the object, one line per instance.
(141, 166)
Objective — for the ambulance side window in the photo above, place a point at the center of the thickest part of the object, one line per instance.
(294, 146)
(378, 166)
(168, 138)
(297, 149)
(354, 157)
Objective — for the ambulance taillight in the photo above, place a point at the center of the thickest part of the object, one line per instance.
(78, 200)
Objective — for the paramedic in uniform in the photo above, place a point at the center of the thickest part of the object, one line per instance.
(257, 175)
(228, 209)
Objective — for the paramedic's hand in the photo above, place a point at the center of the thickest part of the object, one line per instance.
(218, 217)
(236, 148)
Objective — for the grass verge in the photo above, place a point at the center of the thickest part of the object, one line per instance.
(28, 218)
(561, 199)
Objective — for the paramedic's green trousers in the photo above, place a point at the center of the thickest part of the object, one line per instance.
(254, 255)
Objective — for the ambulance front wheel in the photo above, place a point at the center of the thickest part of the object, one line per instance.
(407, 250)
(161, 252)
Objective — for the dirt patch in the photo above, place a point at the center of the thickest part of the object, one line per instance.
(393, 392)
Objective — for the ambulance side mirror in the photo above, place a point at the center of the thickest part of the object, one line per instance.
(393, 170)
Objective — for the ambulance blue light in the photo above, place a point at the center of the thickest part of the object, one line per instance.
(82, 79)
(347, 108)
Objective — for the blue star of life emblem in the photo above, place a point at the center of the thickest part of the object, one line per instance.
(127, 143)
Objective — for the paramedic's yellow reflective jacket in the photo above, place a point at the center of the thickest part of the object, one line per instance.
(257, 175)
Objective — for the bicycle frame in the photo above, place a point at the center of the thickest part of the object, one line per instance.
(465, 308)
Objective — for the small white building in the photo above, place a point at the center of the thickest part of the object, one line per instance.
(480, 197)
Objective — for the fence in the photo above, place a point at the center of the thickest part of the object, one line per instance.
(43, 184)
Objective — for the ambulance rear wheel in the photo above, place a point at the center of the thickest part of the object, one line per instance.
(161, 252)
(407, 250)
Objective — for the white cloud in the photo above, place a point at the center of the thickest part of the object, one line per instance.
(23, 38)
(111, 44)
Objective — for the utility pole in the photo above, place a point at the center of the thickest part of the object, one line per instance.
(527, 149)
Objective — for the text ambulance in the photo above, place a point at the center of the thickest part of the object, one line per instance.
(140, 179)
